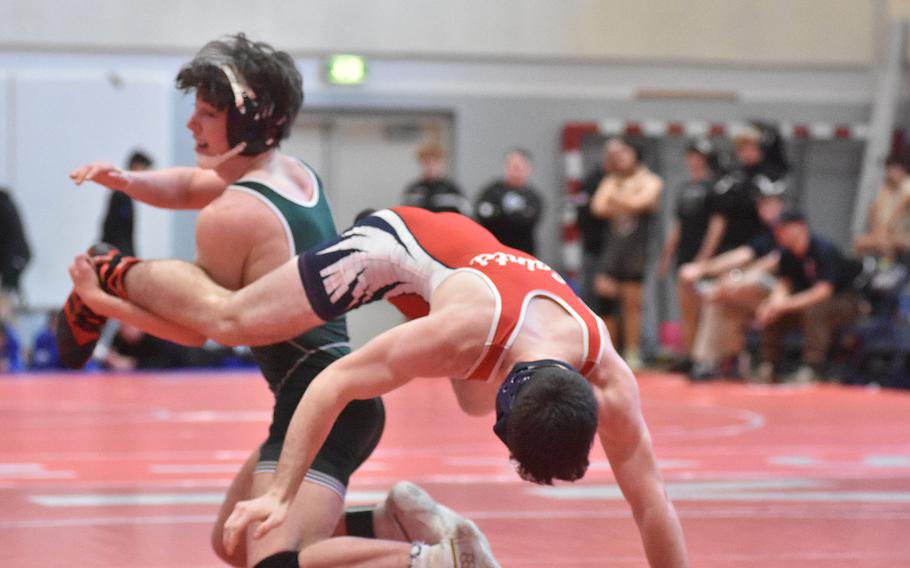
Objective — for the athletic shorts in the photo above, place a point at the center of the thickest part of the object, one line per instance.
(376, 259)
(290, 367)
(350, 442)
(624, 259)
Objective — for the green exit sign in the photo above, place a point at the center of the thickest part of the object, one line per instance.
(346, 69)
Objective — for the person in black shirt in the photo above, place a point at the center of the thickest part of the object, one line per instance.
(728, 289)
(593, 231)
(15, 253)
(510, 208)
(814, 291)
(687, 236)
(117, 228)
(433, 191)
(686, 239)
(761, 168)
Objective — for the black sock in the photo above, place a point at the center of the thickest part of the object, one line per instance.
(286, 559)
(359, 522)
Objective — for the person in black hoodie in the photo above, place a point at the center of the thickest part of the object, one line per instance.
(117, 228)
(15, 253)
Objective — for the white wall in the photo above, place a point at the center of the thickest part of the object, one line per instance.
(790, 32)
(509, 72)
(63, 118)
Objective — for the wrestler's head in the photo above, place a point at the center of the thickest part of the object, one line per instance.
(546, 414)
(247, 90)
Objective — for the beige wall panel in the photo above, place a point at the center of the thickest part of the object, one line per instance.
(788, 32)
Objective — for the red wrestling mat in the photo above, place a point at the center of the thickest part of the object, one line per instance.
(128, 470)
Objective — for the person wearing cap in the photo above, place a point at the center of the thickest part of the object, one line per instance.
(738, 226)
(433, 191)
(628, 198)
(258, 209)
(728, 289)
(760, 171)
(815, 292)
(887, 233)
(686, 241)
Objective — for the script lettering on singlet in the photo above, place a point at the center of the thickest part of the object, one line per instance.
(504, 258)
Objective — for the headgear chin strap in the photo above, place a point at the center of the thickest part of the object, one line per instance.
(212, 162)
(520, 374)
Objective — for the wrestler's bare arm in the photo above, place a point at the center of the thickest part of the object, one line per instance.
(169, 188)
(627, 444)
(432, 346)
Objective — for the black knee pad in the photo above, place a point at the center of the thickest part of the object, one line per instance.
(286, 559)
(359, 522)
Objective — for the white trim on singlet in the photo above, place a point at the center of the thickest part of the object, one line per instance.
(604, 337)
(309, 203)
(491, 335)
(532, 294)
(313, 476)
(274, 209)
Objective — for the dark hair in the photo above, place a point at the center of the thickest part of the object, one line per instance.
(896, 160)
(774, 155)
(706, 149)
(552, 425)
(271, 75)
(791, 215)
(138, 159)
(634, 145)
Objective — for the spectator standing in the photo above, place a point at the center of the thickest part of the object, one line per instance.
(686, 240)
(434, 191)
(510, 208)
(734, 220)
(119, 222)
(593, 231)
(887, 234)
(15, 254)
(760, 167)
(628, 198)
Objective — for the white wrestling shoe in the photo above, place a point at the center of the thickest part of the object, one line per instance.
(465, 547)
(418, 516)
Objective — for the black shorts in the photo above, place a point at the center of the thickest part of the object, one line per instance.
(350, 442)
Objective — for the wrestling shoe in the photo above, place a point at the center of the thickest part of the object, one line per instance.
(79, 328)
(466, 547)
(417, 515)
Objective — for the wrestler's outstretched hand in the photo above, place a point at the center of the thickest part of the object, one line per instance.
(268, 508)
(103, 173)
(85, 283)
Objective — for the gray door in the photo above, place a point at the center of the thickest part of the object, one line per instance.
(365, 161)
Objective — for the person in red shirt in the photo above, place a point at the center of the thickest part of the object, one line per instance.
(503, 325)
